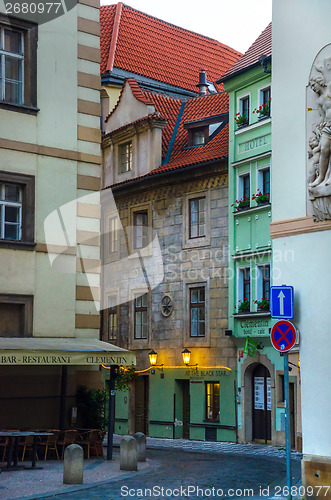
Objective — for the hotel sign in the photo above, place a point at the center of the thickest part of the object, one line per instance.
(257, 142)
(253, 327)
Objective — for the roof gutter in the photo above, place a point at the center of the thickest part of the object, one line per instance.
(243, 70)
(140, 180)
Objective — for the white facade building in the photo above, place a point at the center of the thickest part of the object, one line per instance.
(302, 50)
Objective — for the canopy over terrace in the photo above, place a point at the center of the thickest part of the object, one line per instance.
(35, 351)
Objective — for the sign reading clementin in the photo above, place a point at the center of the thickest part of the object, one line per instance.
(71, 358)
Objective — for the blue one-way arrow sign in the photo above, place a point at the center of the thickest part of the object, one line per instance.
(281, 302)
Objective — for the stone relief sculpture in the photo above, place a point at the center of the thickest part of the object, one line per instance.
(319, 137)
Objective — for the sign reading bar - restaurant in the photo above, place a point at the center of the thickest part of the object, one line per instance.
(62, 351)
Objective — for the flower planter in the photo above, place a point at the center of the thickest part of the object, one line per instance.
(259, 203)
(263, 117)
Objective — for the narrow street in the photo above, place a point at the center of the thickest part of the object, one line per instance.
(181, 473)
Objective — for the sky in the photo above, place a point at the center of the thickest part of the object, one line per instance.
(236, 23)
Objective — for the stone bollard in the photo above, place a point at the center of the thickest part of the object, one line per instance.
(128, 453)
(141, 446)
(73, 464)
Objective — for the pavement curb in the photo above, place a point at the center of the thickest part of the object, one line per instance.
(153, 465)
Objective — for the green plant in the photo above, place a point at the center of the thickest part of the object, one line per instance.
(263, 304)
(261, 197)
(240, 119)
(244, 305)
(124, 378)
(91, 405)
(264, 109)
(241, 204)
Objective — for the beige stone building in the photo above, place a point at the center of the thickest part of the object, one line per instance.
(49, 215)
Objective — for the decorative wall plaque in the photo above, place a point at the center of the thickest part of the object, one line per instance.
(319, 137)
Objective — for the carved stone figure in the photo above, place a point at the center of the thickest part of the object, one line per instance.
(319, 140)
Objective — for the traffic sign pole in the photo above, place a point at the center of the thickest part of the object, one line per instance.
(287, 424)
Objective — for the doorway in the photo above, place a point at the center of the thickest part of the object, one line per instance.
(182, 408)
(141, 404)
(261, 402)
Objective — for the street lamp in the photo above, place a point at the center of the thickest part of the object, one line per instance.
(186, 356)
(152, 357)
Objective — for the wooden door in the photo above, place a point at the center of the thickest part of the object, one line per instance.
(261, 399)
(186, 409)
(141, 404)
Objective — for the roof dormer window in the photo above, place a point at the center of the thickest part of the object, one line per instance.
(198, 137)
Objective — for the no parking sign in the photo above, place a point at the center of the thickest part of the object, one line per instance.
(283, 335)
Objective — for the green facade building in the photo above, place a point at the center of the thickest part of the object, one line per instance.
(260, 395)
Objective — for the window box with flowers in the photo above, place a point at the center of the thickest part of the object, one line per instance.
(241, 204)
(263, 304)
(243, 306)
(261, 198)
(241, 120)
(263, 111)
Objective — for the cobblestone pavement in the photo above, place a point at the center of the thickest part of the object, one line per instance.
(217, 475)
(215, 447)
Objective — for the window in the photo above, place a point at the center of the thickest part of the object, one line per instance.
(18, 64)
(197, 218)
(197, 312)
(16, 315)
(140, 317)
(10, 212)
(113, 235)
(12, 60)
(112, 317)
(199, 137)
(140, 223)
(244, 190)
(212, 401)
(265, 95)
(244, 108)
(244, 289)
(266, 282)
(17, 207)
(125, 157)
(266, 181)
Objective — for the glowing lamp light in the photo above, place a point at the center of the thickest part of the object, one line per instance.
(152, 358)
(186, 356)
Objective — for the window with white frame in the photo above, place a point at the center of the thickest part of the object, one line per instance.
(197, 217)
(140, 229)
(112, 326)
(11, 65)
(244, 108)
(197, 311)
(125, 157)
(10, 212)
(265, 96)
(263, 182)
(141, 317)
(244, 289)
(244, 190)
(113, 234)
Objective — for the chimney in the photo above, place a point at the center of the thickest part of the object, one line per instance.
(202, 82)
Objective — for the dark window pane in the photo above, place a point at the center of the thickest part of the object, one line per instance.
(13, 92)
(12, 214)
(12, 193)
(11, 232)
(13, 68)
(13, 42)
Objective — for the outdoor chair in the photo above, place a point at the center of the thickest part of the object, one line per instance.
(50, 442)
(27, 443)
(4, 441)
(67, 437)
(99, 442)
(90, 439)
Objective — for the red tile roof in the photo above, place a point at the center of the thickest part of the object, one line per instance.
(261, 46)
(147, 46)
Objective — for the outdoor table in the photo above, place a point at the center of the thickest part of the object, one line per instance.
(13, 448)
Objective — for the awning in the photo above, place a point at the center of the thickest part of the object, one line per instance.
(34, 351)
